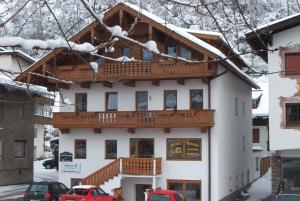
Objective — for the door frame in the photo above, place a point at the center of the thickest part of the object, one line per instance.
(137, 147)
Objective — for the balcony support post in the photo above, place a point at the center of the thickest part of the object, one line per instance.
(121, 166)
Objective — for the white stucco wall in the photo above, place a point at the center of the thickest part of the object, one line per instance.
(281, 139)
(39, 141)
(230, 160)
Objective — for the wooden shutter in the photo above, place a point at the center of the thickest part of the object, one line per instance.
(292, 63)
(255, 136)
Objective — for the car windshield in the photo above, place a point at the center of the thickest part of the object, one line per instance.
(38, 188)
(159, 197)
(78, 191)
(288, 198)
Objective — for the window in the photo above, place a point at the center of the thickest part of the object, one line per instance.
(126, 52)
(236, 107)
(256, 163)
(19, 149)
(1, 112)
(184, 53)
(243, 108)
(196, 99)
(255, 135)
(170, 97)
(110, 149)
(75, 182)
(111, 102)
(35, 132)
(21, 111)
(184, 149)
(81, 102)
(244, 146)
(1, 149)
(292, 114)
(141, 100)
(191, 190)
(172, 51)
(141, 147)
(147, 55)
(291, 173)
(292, 61)
(80, 149)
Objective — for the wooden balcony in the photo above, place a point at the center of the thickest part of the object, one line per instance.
(135, 119)
(128, 166)
(137, 70)
(42, 120)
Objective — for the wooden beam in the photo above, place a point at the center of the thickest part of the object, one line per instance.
(131, 130)
(63, 85)
(121, 14)
(51, 87)
(93, 35)
(107, 84)
(97, 130)
(180, 81)
(150, 31)
(64, 130)
(86, 85)
(167, 130)
(205, 80)
(155, 82)
(130, 83)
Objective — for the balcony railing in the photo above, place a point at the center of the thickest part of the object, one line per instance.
(135, 119)
(136, 70)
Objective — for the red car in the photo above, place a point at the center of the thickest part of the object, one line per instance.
(86, 193)
(165, 195)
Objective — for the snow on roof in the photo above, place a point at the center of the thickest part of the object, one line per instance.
(193, 39)
(2, 49)
(42, 91)
(263, 105)
(257, 148)
(54, 138)
(202, 32)
(19, 53)
(83, 187)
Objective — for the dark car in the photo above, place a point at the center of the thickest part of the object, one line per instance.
(49, 164)
(288, 195)
(44, 191)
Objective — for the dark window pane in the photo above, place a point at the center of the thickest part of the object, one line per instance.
(184, 53)
(81, 102)
(193, 149)
(172, 51)
(291, 173)
(175, 148)
(176, 186)
(112, 101)
(159, 197)
(80, 149)
(19, 149)
(183, 148)
(292, 113)
(170, 99)
(147, 55)
(126, 51)
(111, 149)
(193, 192)
(196, 99)
(142, 100)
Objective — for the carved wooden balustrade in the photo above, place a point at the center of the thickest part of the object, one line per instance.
(132, 166)
(136, 70)
(135, 119)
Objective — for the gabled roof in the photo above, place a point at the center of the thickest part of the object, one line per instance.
(266, 31)
(177, 32)
(262, 97)
(19, 53)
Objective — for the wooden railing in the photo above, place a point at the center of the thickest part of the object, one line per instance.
(135, 119)
(132, 166)
(136, 70)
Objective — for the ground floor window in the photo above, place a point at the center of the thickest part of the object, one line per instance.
(75, 182)
(190, 189)
(291, 173)
(80, 149)
(184, 149)
(110, 149)
(19, 149)
(256, 163)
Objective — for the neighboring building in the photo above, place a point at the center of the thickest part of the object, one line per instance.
(42, 115)
(260, 131)
(284, 101)
(153, 122)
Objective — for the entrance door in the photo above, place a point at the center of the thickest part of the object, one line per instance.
(140, 190)
(141, 148)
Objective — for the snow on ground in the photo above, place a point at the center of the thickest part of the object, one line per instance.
(40, 174)
(261, 188)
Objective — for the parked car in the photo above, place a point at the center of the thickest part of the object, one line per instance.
(87, 193)
(288, 195)
(165, 195)
(44, 191)
(49, 164)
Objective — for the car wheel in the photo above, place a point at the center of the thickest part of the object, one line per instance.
(48, 166)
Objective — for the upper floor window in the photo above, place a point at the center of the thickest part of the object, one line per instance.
(185, 53)
(141, 100)
(255, 135)
(80, 149)
(111, 102)
(184, 149)
(19, 149)
(172, 51)
(292, 114)
(147, 55)
(126, 52)
(21, 111)
(196, 99)
(81, 102)
(110, 149)
(170, 101)
(292, 63)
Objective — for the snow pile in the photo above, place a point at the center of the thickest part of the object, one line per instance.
(261, 188)
(67, 101)
(152, 46)
(29, 44)
(117, 31)
(124, 59)
(94, 66)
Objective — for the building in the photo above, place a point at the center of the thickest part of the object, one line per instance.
(260, 131)
(153, 122)
(16, 60)
(282, 36)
